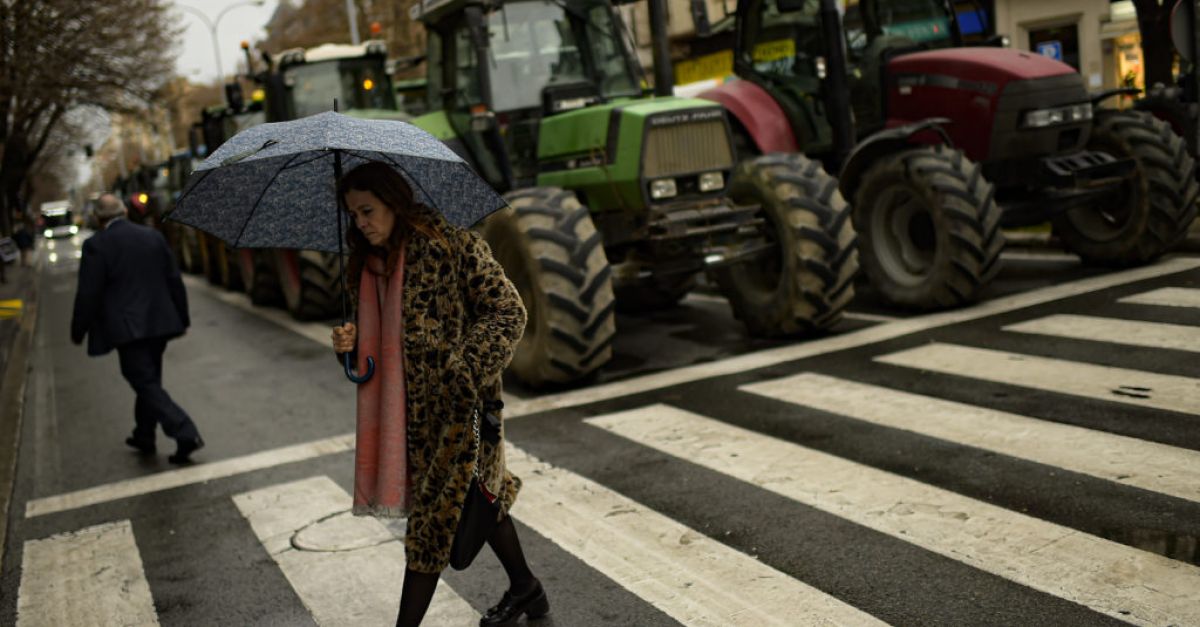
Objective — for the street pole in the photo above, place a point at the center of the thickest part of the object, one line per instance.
(213, 24)
(350, 16)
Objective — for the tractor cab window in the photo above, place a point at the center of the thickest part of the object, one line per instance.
(785, 42)
(873, 26)
(356, 83)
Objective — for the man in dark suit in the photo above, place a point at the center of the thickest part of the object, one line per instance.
(131, 298)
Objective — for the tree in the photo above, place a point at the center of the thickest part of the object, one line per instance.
(58, 55)
(1158, 54)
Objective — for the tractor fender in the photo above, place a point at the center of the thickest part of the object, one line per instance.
(758, 113)
(883, 143)
(1101, 96)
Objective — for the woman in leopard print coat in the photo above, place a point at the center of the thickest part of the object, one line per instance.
(462, 319)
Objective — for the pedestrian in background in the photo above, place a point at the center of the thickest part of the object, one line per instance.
(24, 240)
(131, 298)
(442, 319)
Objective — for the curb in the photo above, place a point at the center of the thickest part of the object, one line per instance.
(12, 400)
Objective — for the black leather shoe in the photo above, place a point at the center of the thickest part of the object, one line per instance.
(144, 447)
(533, 604)
(186, 448)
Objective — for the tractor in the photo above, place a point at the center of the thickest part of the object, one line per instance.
(619, 197)
(953, 143)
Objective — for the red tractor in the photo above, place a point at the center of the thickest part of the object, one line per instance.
(953, 142)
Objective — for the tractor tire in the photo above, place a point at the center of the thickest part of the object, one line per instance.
(550, 249)
(221, 265)
(309, 282)
(1155, 207)
(804, 286)
(260, 279)
(189, 249)
(928, 228)
(1166, 104)
(656, 294)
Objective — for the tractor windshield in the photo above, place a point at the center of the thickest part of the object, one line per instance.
(785, 43)
(875, 25)
(357, 84)
(535, 44)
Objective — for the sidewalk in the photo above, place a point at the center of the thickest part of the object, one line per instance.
(18, 314)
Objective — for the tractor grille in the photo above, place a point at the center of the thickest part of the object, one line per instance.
(687, 148)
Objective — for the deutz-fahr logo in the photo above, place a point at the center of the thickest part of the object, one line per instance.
(684, 117)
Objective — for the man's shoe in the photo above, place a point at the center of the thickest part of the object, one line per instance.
(144, 447)
(533, 604)
(184, 452)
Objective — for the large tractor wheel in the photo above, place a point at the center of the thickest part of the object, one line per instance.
(928, 228)
(220, 265)
(807, 281)
(309, 282)
(260, 279)
(1155, 206)
(551, 250)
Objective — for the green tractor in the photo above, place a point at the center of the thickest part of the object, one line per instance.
(617, 198)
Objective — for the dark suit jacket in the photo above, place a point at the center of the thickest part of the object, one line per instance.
(129, 289)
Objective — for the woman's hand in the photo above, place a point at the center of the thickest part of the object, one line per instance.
(345, 337)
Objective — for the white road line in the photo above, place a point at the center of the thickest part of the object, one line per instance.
(1117, 580)
(188, 475)
(853, 315)
(1114, 330)
(1130, 461)
(93, 576)
(347, 570)
(870, 335)
(1119, 385)
(515, 408)
(1167, 297)
(682, 572)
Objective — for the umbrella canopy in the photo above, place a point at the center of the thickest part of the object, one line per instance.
(273, 185)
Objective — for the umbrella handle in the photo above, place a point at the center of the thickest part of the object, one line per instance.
(359, 379)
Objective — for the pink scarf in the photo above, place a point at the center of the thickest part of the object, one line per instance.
(381, 478)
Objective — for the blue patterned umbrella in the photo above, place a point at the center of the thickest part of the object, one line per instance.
(273, 185)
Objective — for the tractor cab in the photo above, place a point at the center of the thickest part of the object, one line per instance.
(498, 69)
(306, 81)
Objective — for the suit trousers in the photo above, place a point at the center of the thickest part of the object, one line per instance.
(141, 365)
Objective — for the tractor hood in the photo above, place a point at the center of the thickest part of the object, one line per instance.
(606, 130)
(981, 66)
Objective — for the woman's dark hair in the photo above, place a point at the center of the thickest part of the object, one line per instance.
(411, 216)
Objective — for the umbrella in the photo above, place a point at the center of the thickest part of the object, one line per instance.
(274, 185)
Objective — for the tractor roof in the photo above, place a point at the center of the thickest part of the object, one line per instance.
(330, 52)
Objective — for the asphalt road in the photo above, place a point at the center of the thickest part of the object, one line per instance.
(995, 465)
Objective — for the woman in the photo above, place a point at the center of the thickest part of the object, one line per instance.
(441, 320)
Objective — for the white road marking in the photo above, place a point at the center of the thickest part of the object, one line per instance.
(187, 476)
(515, 408)
(1167, 297)
(347, 570)
(854, 315)
(1130, 461)
(682, 572)
(93, 576)
(1114, 330)
(1117, 580)
(1119, 385)
(870, 335)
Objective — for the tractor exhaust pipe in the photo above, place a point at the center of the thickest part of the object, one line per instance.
(838, 89)
(664, 74)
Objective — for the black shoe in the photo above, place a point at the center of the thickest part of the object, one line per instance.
(186, 448)
(143, 446)
(533, 604)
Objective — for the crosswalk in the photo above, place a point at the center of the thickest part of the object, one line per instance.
(766, 445)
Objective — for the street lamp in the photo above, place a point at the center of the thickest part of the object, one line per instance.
(212, 26)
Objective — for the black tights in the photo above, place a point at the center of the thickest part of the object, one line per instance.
(419, 587)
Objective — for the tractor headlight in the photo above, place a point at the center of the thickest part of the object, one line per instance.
(74, 229)
(663, 188)
(48, 233)
(712, 181)
(1041, 118)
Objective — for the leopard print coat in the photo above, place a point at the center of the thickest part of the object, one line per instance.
(462, 320)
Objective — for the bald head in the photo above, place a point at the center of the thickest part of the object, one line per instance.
(108, 206)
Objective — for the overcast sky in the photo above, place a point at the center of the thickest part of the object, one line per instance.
(241, 21)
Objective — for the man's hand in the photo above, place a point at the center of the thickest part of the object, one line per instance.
(345, 337)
